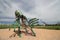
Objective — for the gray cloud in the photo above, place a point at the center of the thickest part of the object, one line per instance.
(27, 5)
(48, 10)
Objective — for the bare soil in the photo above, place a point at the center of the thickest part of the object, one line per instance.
(41, 34)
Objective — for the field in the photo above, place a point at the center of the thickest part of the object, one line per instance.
(3, 26)
(42, 33)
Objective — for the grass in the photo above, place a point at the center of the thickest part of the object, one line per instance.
(49, 27)
(3, 26)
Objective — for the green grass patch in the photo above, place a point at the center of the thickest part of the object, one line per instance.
(3, 26)
(49, 27)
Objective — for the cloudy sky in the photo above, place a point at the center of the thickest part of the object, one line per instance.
(47, 10)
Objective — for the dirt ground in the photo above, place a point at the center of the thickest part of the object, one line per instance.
(41, 34)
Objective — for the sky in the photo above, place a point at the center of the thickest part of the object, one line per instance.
(46, 10)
